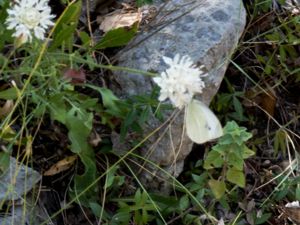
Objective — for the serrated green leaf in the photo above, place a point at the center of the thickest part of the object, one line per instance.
(118, 37)
(213, 160)
(218, 188)
(144, 198)
(79, 126)
(138, 217)
(235, 159)
(236, 177)
(247, 153)
(144, 216)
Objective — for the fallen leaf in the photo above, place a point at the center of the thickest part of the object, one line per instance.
(76, 76)
(61, 166)
(119, 19)
(6, 108)
(267, 100)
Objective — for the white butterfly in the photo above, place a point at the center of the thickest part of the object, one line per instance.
(202, 125)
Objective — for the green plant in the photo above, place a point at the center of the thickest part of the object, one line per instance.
(143, 2)
(49, 85)
(229, 154)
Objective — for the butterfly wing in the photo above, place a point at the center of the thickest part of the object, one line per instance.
(202, 125)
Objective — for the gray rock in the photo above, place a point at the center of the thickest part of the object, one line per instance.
(207, 31)
(17, 181)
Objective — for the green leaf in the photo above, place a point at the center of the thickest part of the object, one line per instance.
(280, 141)
(85, 38)
(121, 218)
(184, 202)
(263, 219)
(235, 159)
(98, 210)
(145, 115)
(138, 218)
(64, 36)
(145, 216)
(4, 161)
(236, 177)
(79, 125)
(234, 134)
(281, 193)
(143, 2)
(274, 37)
(200, 180)
(9, 94)
(247, 153)
(118, 37)
(110, 177)
(213, 160)
(218, 188)
(66, 26)
(144, 199)
(282, 53)
(297, 192)
(137, 196)
(190, 219)
(110, 101)
(58, 110)
(83, 182)
(238, 108)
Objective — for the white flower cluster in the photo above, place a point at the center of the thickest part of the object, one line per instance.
(29, 18)
(180, 82)
(294, 204)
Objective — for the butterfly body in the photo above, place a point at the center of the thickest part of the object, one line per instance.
(202, 125)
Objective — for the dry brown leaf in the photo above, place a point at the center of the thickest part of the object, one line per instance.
(6, 108)
(75, 76)
(119, 19)
(61, 166)
(267, 100)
